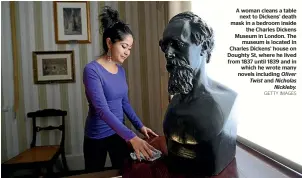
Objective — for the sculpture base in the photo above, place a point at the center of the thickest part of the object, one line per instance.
(179, 165)
(187, 159)
(205, 158)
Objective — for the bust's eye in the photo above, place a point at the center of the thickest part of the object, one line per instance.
(124, 46)
(180, 44)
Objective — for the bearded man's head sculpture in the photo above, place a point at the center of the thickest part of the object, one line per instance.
(187, 40)
(199, 129)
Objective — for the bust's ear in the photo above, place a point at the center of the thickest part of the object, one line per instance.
(205, 54)
(205, 45)
(202, 52)
(205, 50)
(209, 57)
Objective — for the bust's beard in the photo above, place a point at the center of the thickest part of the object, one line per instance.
(180, 80)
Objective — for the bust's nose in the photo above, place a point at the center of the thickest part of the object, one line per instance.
(169, 55)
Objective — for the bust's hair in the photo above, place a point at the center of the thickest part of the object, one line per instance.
(202, 33)
(112, 27)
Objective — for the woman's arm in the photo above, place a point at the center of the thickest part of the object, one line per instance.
(130, 113)
(96, 95)
(128, 110)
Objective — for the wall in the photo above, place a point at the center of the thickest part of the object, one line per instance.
(145, 69)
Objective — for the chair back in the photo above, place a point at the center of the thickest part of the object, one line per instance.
(43, 114)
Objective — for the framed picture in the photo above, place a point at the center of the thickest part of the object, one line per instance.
(53, 66)
(72, 21)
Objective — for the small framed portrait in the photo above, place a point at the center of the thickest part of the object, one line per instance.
(53, 67)
(72, 21)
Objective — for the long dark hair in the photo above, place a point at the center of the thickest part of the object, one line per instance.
(112, 27)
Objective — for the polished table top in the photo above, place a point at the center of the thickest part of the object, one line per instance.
(158, 168)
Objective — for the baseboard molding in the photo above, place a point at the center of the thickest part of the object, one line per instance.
(76, 162)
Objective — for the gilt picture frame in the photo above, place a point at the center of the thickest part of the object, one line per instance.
(53, 67)
(72, 21)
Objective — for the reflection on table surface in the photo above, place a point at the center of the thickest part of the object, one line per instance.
(158, 168)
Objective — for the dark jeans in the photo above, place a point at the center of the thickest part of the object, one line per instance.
(95, 152)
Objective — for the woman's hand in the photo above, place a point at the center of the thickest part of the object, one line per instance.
(141, 146)
(146, 131)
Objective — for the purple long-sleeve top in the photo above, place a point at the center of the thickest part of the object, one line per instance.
(107, 95)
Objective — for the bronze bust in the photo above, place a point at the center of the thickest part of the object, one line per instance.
(199, 129)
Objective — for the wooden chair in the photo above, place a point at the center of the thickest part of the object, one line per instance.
(37, 157)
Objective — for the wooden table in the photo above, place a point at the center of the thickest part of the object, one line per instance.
(158, 168)
(155, 169)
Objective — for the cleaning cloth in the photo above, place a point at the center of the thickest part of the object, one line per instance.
(156, 154)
